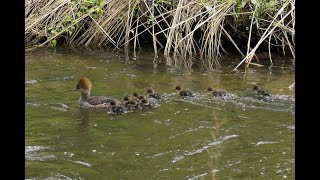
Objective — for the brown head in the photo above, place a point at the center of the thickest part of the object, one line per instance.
(144, 101)
(136, 95)
(127, 98)
(256, 87)
(142, 97)
(210, 89)
(150, 91)
(84, 85)
(113, 103)
(178, 87)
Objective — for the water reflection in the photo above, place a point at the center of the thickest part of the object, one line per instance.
(216, 151)
(85, 120)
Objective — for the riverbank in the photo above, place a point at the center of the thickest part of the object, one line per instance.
(180, 28)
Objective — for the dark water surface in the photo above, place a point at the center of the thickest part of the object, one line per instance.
(243, 137)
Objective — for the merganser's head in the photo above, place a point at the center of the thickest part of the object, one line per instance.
(84, 85)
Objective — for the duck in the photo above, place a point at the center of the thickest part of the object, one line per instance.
(184, 92)
(126, 100)
(151, 93)
(142, 97)
(260, 91)
(135, 95)
(84, 85)
(133, 104)
(116, 108)
(218, 93)
(149, 103)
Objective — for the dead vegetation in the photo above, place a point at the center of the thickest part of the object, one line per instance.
(180, 28)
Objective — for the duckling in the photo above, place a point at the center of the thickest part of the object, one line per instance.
(151, 93)
(135, 95)
(142, 97)
(260, 91)
(126, 100)
(117, 108)
(133, 104)
(84, 85)
(149, 103)
(218, 93)
(184, 92)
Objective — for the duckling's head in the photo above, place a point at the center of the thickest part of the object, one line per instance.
(142, 97)
(113, 103)
(84, 85)
(127, 98)
(210, 89)
(256, 87)
(136, 95)
(150, 91)
(144, 101)
(178, 87)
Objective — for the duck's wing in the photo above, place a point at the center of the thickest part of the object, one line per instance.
(97, 100)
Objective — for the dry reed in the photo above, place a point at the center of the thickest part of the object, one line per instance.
(182, 28)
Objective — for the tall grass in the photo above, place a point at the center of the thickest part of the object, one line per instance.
(184, 29)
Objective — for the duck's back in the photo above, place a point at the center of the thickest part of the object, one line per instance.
(186, 93)
(98, 100)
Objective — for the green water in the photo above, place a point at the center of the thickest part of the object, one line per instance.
(243, 137)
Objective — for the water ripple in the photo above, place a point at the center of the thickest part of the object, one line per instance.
(56, 106)
(197, 176)
(30, 153)
(33, 81)
(83, 163)
(200, 150)
(265, 142)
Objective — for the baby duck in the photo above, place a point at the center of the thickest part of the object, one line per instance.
(218, 93)
(117, 108)
(84, 85)
(260, 91)
(126, 100)
(135, 95)
(151, 93)
(149, 103)
(133, 104)
(184, 92)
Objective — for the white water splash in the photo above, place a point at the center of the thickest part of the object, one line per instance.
(83, 163)
(200, 150)
(265, 142)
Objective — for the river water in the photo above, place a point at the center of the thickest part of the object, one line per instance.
(203, 137)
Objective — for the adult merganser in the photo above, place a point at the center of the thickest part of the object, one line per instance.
(84, 86)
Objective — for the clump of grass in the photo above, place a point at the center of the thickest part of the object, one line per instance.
(181, 28)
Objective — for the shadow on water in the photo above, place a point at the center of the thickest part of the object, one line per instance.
(240, 136)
